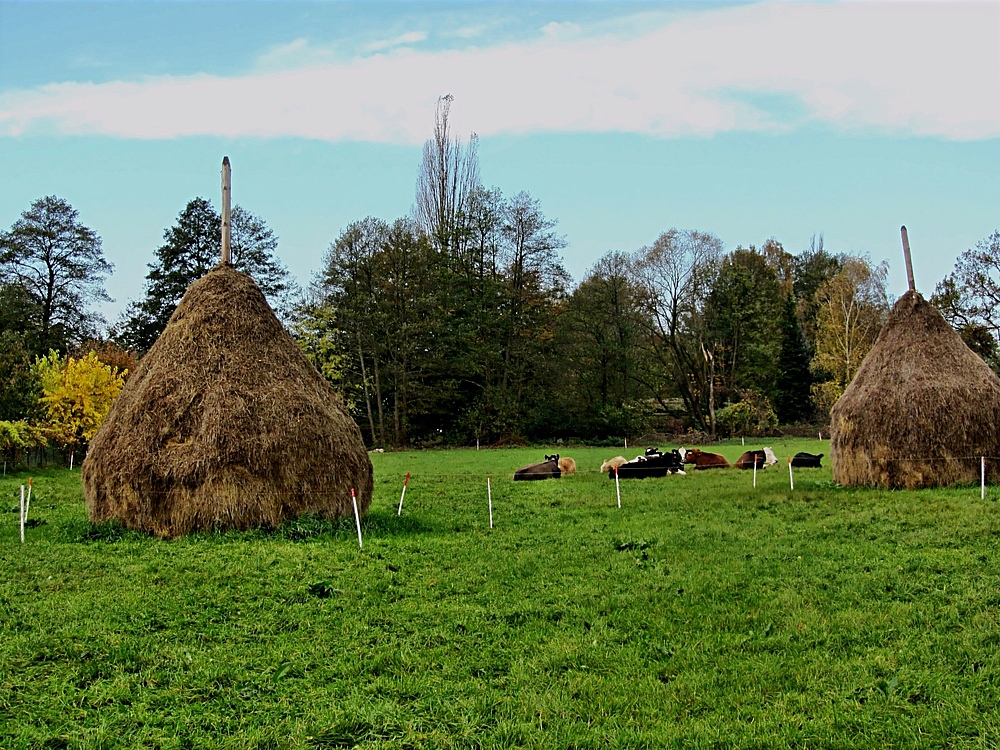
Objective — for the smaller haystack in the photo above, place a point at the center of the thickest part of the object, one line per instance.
(224, 425)
(922, 409)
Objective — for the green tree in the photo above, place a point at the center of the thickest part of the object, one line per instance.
(19, 386)
(347, 289)
(315, 329)
(793, 386)
(811, 269)
(781, 262)
(20, 313)
(407, 264)
(751, 416)
(191, 248)
(743, 319)
(674, 277)
(57, 266)
(599, 344)
(378, 282)
(969, 298)
(534, 286)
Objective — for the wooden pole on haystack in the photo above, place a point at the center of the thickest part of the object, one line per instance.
(906, 257)
(227, 193)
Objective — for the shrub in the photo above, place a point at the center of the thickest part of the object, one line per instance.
(752, 416)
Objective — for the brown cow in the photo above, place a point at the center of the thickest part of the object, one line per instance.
(703, 460)
(567, 466)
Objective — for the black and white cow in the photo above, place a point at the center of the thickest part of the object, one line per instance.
(760, 458)
(652, 464)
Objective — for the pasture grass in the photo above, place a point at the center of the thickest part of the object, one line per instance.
(705, 613)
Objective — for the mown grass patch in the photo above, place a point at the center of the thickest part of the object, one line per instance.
(703, 613)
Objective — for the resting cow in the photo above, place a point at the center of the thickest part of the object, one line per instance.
(761, 458)
(567, 466)
(611, 463)
(547, 469)
(807, 460)
(652, 464)
(702, 460)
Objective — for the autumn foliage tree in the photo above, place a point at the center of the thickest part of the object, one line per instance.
(77, 394)
(19, 435)
(852, 308)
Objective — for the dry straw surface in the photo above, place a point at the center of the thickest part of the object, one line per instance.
(224, 424)
(922, 409)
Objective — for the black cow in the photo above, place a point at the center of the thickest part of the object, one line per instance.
(807, 460)
(547, 469)
(652, 464)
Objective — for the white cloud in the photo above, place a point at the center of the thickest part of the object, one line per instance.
(469, 32)
(410, 37)
(88, 62)
(296, 53)
(560, 30)
(906, 68)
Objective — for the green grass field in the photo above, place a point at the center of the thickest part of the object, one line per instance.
(704, 613)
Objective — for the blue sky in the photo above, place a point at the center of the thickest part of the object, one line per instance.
(748, 120)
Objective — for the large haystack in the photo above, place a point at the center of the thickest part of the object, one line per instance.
(224, 425)
(922, 409)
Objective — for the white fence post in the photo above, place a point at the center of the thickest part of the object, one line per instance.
(406, 481)
(357, 516)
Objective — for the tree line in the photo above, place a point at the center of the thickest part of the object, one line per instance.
(459, 323)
